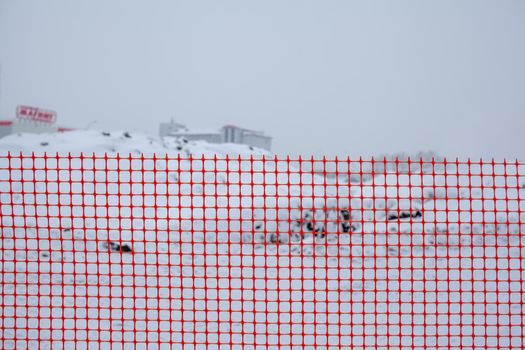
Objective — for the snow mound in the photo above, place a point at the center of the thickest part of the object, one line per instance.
(121, 142)
(164, 210)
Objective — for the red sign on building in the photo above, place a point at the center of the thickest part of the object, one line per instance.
(36, 114)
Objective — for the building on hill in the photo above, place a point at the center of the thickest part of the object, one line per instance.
(227, 134)
(166, 129)
(8, 127)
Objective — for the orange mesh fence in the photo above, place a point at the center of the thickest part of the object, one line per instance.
(160, 252)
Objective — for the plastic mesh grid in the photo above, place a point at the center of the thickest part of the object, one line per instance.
(158, 252)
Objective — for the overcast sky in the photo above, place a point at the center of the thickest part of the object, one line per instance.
(322, 77)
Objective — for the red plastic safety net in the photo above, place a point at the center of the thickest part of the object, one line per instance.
(158, 252)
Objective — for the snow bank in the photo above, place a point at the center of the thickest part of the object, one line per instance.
(388, 249)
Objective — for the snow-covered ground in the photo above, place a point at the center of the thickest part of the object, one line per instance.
(224, 250)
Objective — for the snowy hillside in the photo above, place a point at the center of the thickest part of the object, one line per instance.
(122, 142)
(233, 236)
(271, 182)
(273, 196)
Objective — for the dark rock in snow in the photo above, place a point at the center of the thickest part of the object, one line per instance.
(321, 221)
(405, 215)
(125, 248)
(126, 134)
(44, 143)
(274, 238)
(345, 214)
(106, 133)
(115, 247)
(346, 227)
(309, 226)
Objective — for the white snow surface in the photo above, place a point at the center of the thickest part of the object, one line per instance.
(92, 141)
(220, 253)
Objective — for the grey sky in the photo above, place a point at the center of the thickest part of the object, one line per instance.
(322, 77)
